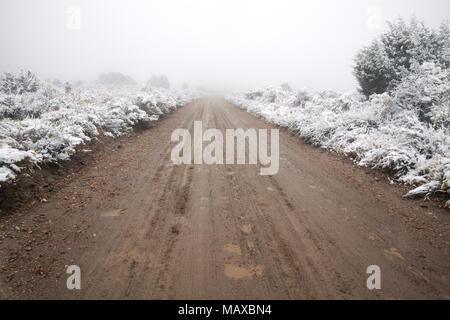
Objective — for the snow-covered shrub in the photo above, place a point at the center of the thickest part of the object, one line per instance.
(155, 102)
(427, 92)
(22, 83)
(380, 66)
(49, 125)
(406, 132)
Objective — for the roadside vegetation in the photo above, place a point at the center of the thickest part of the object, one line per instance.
(398, 121)
(48, 123)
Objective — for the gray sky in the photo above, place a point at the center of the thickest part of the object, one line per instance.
(230, 43)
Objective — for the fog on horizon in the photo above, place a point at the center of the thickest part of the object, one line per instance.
(224, 45)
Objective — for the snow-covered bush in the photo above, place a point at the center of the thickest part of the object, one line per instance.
(426, 90)
(380, 66)
(155, 102)
(49, 125)
(22, 83)
(406, 132)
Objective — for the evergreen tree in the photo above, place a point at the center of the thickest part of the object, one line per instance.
(373, 69)
(381, 66)
(159, 82)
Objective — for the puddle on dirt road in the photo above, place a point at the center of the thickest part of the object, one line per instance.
(246, 228)
(111, 213)
(232, 248)
(236, 272)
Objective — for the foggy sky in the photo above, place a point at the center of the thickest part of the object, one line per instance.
(231, 44)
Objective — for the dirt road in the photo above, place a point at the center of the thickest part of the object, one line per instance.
(140, 227)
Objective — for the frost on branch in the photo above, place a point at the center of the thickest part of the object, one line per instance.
(24, 82)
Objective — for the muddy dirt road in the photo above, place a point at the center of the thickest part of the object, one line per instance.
(140, 227)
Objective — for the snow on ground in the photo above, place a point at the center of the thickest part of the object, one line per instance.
(406, 132)
(49, 125)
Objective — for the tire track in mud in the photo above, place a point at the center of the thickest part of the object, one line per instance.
(166, 222)
(267, 240)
